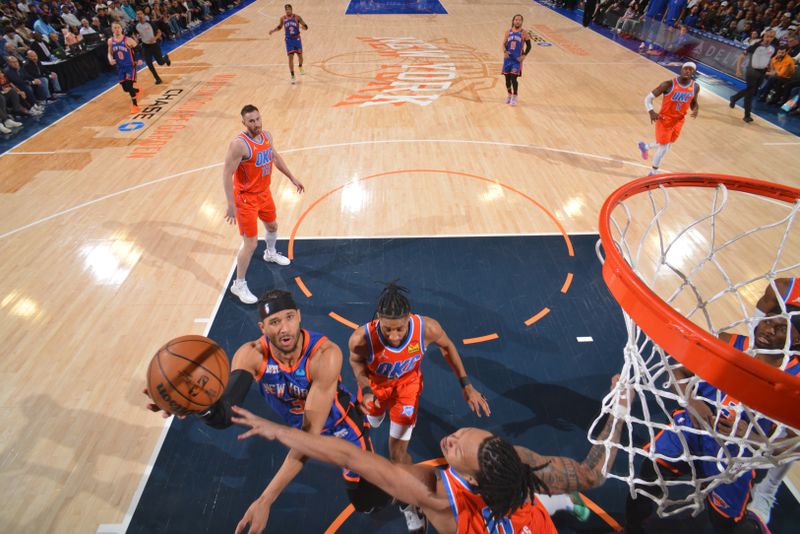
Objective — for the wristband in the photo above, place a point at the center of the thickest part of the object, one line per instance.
(365, 390)
(464, 382)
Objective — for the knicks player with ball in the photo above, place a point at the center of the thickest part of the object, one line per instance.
(297, 372)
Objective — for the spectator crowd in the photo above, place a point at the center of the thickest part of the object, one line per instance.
(37, 34)
(741, 22)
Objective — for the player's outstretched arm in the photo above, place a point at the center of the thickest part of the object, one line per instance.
(414, 485)
(325, 369)
(564, 475)
(434, 333)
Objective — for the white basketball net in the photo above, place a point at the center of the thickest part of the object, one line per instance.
(711, 265)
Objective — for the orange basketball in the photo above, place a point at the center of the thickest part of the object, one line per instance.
(187, 375)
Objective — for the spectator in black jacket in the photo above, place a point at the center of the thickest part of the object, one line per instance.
(34, 70)
(41, 48)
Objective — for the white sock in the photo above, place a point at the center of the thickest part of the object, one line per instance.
(661, 151)
(555, 503)
(651, 146)
(271, 238)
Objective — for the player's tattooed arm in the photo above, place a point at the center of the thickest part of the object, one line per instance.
(563, 475)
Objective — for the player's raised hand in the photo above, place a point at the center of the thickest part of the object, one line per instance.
(654, 116)
(476, 400)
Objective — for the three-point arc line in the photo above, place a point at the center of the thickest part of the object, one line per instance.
(466, 341)
(302, 286)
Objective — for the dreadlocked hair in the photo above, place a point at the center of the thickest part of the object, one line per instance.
(504, 482)
(392, 304)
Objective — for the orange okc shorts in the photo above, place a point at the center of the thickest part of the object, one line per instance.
(668, 130)
(400, 397)
(253, 206)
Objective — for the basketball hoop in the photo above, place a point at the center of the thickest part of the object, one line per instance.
(683, 273)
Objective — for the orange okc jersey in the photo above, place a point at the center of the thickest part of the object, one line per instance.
(473, 516)
(677, 102)
(792, 295)
(254, 173)
(388, 363)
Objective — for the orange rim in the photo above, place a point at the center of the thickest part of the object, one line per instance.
(766, 389)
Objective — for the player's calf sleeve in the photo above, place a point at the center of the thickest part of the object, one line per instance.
(220, 413)
(659, 155)
(270, 239)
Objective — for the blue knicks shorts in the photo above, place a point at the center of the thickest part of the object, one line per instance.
(352, 428)
(512, 66)
(126, 72)
(294, 46)
(727, 499)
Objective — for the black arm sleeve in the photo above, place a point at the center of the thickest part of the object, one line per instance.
(527, 46)
(219, 415)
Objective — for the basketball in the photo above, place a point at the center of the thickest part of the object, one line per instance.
(187, 375)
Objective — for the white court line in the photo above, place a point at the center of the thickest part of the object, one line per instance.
(383, 61)
(584, 339)
(445, 236)
(104, 197)
(126, 521)
(318, 147)
(787, 143)
(202, 320)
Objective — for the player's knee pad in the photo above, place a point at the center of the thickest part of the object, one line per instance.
(375, 420)
(401, 432)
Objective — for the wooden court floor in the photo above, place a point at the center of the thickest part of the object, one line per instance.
(112, 238)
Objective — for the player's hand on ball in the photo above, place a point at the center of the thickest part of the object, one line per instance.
(477, 402)
(153, 407)
(654, 116)
(256, 516)
(258, 425)
(230, 214)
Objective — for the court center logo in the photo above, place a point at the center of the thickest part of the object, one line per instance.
(415, 72)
